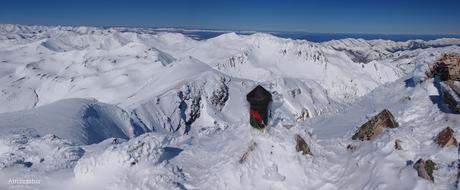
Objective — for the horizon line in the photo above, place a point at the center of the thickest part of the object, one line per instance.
(217, 30)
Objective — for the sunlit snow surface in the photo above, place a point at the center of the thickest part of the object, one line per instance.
(91, 108)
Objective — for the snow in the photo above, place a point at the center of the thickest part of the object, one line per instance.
(80, 121)
(133, 164)
(127, 108)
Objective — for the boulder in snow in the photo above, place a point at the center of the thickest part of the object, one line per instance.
(425, 169)
(301, 145)
(398, 144)
(446, 138)
(375, 126)
(352, 147)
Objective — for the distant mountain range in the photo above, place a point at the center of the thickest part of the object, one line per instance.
(139, 108)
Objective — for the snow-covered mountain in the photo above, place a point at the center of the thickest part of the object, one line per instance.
(126, 108)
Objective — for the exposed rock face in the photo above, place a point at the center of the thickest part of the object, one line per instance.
(301, 145)
(446, 138)
(450, 91)
(425, 169)
(447, 67)
(189, 107)
(220, 95)
(358, 56)
(375, 126)
(234, 61)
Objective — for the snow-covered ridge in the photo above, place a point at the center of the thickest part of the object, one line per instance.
(367, 50)
(41, 65)
(142, 72)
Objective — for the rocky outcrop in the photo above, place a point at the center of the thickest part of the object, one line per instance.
(220, 95)
(446, 138)
(190, 107)
(234, 61)
(307, 52)
(303, 115)
(425, 169)
(450, 92)
(376, 125)
(301, 145)
(447, 67)
(295, 92)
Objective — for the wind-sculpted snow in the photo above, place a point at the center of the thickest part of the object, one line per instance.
(47, 153)
(134, 164)
(77, 120)
(139, 108)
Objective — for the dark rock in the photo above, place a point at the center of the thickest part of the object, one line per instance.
(220, 95)
(398, 144)
(352, 147)
(295, 92)
(446, 138)
(409, 162)
(28, 164)
(189, 106)
(451, 95)
(375, 126)
(425, 169)
(303, 115)
(408, 98)
(22, 162)
(115, 141)
(301, 145)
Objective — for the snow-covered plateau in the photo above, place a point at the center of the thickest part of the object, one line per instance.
(127, 108)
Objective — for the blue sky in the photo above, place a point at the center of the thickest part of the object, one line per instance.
(319, 16)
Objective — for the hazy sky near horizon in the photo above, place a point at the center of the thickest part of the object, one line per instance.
(322, 16)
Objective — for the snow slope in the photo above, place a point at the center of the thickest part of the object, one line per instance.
(80, 121)
(126, 108)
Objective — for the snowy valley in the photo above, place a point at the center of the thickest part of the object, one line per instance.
(127, 108)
